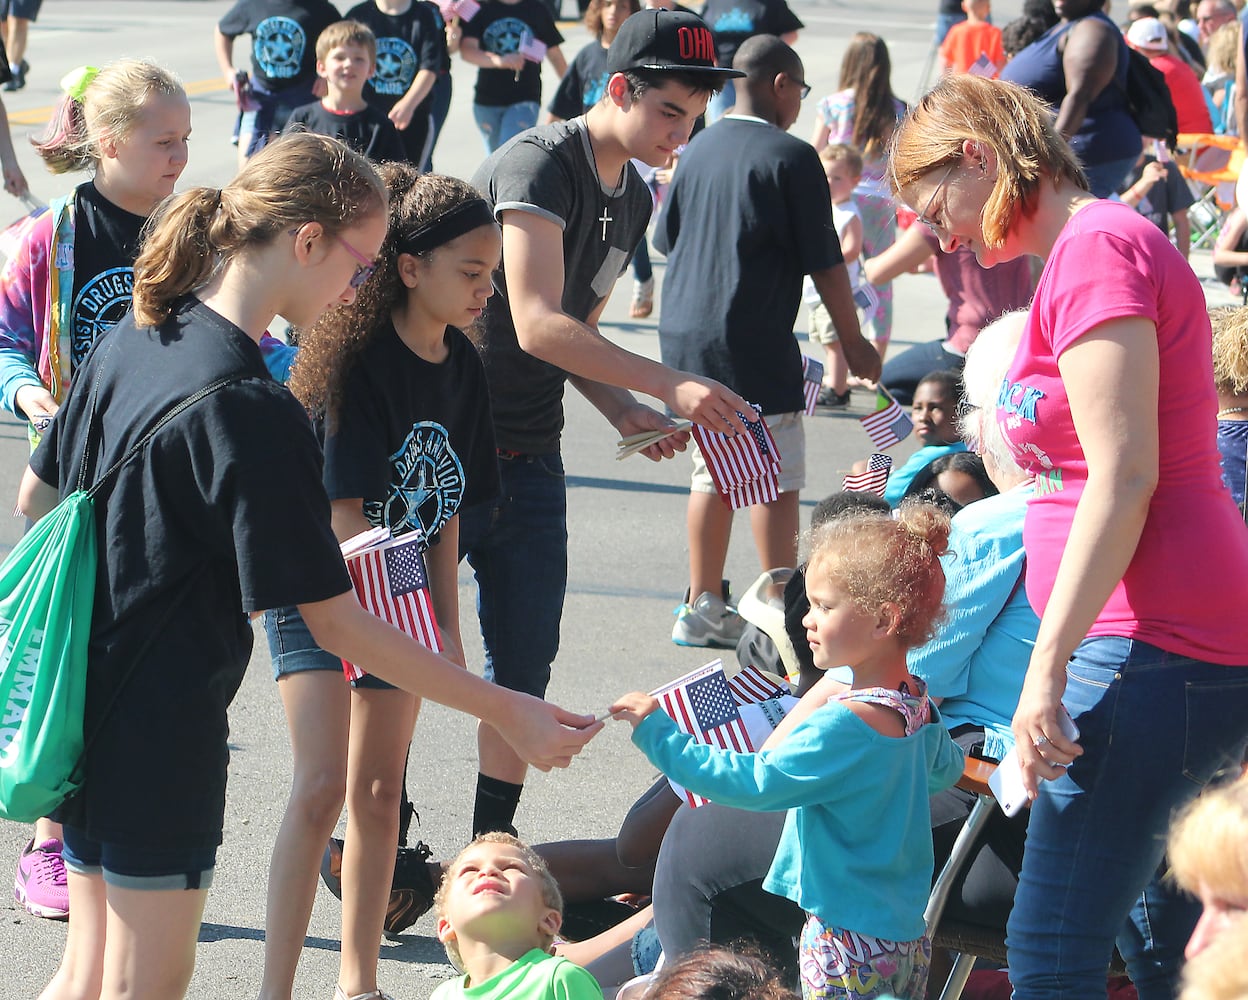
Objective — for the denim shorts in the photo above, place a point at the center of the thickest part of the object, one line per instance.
(138, 867)
(293, 650)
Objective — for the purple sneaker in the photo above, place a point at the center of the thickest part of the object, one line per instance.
(40, 883)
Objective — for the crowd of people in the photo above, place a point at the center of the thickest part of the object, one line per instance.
(1067, 544)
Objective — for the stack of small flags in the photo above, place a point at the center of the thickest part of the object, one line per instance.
(745, 467)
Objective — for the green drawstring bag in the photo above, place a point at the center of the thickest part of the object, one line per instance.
(47, 592)
(47, 589)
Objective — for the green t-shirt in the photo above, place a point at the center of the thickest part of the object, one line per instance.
(534, 976)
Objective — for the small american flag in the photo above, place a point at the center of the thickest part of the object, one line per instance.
(874, 479)
(390, 581)
(744, 466)
(532, 48)
(889, 424)
(752, 685)
(812, 379)
(702, 704)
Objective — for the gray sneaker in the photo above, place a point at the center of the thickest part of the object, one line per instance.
(708, 621)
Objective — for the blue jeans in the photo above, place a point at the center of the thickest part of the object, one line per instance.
(440, 109)
(944, 22)
(721, 103)
(903, 372)
(498, 124)
(642, 270)
(1155, 728)
(518, 551)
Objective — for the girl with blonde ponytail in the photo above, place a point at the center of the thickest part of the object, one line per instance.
(855, 770)
(221, 511)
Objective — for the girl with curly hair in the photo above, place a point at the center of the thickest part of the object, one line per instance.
(399, 397)
(877, 750)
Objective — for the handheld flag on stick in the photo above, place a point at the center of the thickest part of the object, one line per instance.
(874, 479)
(702, 704)
(812, 379)
(889, 423)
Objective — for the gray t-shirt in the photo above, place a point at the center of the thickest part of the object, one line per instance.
(549, 171)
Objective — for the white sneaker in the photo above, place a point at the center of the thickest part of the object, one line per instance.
(708, 621)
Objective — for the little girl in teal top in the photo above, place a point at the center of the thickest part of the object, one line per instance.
(855, 768)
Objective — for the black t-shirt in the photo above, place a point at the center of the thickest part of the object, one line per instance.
(501, 28)
(550, 171)
(223, 512)
(369, 131)
(748, 213)
(733, 21)
(283, 38)
(1164, 198)
(412, 438)
(406, 44)
(106, 242)
(583, 84)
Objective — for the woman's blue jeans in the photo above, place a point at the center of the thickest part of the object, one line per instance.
(498, 124)
(518, 550)
(1155, 727)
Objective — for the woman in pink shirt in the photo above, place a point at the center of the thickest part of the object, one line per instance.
(1137, 560)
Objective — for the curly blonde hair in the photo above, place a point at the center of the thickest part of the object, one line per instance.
(1230, 349)
(1209, 841)
(551, 896)
(881, 560)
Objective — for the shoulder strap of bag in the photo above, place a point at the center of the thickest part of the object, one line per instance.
(155, 430)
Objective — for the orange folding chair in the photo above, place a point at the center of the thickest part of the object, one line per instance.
(1211, 165)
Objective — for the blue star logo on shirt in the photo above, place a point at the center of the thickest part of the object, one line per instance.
(278, 44)
(505, 36)
(736, 20)
(396, 67)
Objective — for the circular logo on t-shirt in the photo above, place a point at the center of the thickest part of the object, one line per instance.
(505, 36)
(100, 304)
(428, 483)
(594, 89)
(278, 43)
(396, 67)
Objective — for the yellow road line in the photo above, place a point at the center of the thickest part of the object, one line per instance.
(40, 116)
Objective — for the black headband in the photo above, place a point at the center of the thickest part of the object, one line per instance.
(463, 218)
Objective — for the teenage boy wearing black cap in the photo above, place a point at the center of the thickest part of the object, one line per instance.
(572, 209)
(747, 215)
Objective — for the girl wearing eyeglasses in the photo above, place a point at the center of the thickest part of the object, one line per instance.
(399, 397)
(221, 513)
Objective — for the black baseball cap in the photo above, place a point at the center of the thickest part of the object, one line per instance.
(665, 41)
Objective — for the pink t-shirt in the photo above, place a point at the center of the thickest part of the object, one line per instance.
(1185, 588)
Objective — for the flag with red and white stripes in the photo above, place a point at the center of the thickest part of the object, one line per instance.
(874, 479)
(745, 467)
(812, 381)
(752, 685)
(390, 581)
(889, 424)
(703, 705)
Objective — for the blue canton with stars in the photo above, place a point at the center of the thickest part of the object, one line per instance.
(405, 569)
(711, 701)
(754, 424)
